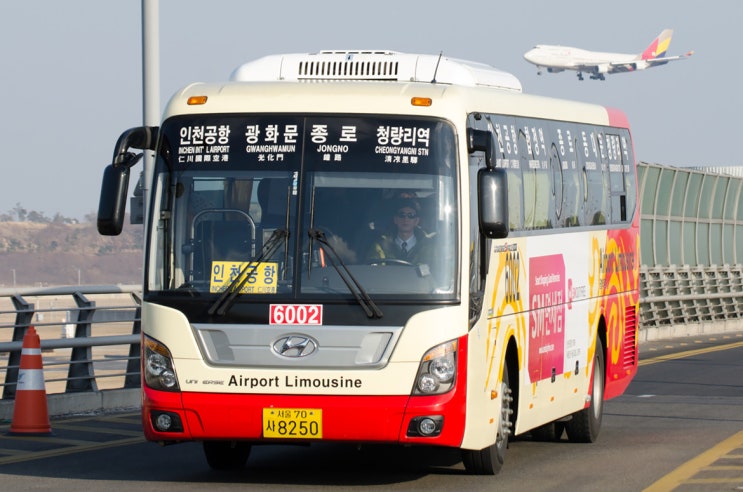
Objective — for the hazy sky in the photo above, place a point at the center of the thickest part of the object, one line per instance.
(72, 78)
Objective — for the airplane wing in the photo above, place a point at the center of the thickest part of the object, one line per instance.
(654, 62)
(633, 65)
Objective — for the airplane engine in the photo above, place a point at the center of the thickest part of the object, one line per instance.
(555, 70)
(602, 68)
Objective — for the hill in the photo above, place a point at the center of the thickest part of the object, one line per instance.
(50, 254)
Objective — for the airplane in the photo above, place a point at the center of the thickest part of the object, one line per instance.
(557, 58)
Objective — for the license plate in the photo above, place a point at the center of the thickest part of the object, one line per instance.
(292, 423)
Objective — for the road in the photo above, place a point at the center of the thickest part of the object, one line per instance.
(678, 427)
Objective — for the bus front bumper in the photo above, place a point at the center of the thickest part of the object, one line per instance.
(389, 419)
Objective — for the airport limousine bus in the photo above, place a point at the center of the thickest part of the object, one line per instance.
(278, 306)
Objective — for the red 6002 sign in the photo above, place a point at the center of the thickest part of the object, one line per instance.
(295, 314)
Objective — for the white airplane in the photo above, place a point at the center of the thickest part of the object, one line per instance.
(559, 58)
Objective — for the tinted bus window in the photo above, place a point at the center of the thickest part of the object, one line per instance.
(563, 174)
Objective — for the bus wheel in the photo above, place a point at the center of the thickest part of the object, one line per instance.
(226, 455)
(586, 424)
(490, 460)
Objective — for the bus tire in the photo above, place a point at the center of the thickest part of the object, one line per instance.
(586, 424)
(226, 455)
(489, 461)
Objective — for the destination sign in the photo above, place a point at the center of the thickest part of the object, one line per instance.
(283, 142)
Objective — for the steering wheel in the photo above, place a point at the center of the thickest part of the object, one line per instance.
(391, 261)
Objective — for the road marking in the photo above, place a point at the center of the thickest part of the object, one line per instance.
(67, 446)
(683, 473)
(134, 419)
(708, 481)
(36, 455)
(688, 353)
(97, 430)
(729, 448)
(45, 439)
(13, 452)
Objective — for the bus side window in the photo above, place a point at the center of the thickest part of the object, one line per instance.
(595, 176)
(630, 178)
(573, 194)
(515, 199)
(572, 198)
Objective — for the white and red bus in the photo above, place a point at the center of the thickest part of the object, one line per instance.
(273, 310)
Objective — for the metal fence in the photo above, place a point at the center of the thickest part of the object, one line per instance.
(90, 337)
(685, 295)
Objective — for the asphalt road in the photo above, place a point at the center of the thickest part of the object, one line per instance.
(678, 427)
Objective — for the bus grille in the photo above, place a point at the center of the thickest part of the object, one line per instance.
(630, 330)
(350, 69)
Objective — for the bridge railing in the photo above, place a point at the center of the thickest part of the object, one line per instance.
(90, 335)
(703, 299)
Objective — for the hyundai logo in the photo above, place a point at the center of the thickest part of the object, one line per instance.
(295, 346)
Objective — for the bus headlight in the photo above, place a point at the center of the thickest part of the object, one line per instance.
(159, 373)
(438, 370)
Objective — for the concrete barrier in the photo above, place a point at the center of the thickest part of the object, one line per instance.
(92, 402)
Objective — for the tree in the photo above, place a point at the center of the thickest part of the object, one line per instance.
(38, 217)
(20, 212)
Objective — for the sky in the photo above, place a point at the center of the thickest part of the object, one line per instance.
(72, 70)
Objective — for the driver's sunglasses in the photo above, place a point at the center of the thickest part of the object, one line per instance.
(406, 215)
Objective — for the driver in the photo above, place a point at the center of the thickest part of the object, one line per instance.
(407, 241)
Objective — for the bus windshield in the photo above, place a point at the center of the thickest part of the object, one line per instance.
(305, 206)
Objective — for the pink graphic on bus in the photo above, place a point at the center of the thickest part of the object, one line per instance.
(547, 318)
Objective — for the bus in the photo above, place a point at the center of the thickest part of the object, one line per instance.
(279, 307)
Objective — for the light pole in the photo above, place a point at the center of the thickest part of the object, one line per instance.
(150, 86)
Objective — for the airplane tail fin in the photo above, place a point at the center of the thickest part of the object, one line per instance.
(659, 46)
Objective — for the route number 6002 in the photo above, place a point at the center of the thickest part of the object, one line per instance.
(295, 314)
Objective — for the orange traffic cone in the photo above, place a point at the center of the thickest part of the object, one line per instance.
(30, 413)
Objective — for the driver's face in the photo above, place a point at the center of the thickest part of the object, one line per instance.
(406, 219)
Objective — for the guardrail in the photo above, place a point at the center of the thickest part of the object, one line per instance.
(90, 335)
(686, 300)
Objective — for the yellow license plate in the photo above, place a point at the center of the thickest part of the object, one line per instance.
(292, 423)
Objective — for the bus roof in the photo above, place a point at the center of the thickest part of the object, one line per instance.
(449, 101)
(374, 65)
(383, 82)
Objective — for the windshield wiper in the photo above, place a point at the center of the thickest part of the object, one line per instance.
(366, 302)
(229, 295)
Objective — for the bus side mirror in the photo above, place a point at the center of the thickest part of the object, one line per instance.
(492, 195)
(112, 205)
